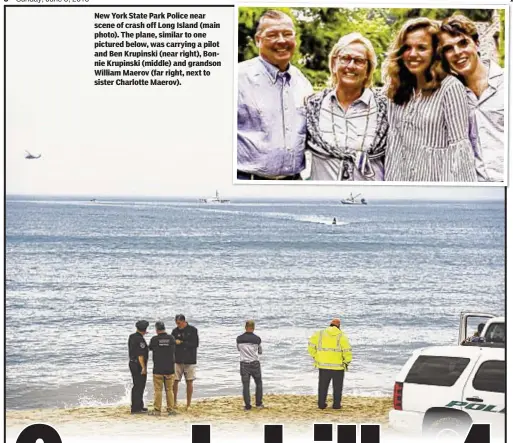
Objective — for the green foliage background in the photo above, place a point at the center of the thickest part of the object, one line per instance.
(318, 29)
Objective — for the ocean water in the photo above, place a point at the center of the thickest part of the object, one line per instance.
(79, 275)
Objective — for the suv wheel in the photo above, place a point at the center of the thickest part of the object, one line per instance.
(449, 428)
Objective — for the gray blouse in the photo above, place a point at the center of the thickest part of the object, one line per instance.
(428, 137)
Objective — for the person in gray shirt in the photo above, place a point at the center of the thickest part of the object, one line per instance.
(250, 347)
(484, 79)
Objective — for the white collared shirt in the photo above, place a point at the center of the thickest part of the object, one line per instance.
(489, 112)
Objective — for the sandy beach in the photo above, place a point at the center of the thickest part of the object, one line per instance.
(278, 409)
(226, 416)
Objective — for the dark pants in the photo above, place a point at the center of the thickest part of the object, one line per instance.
(248, 370)
(325, 377)
(139, 385)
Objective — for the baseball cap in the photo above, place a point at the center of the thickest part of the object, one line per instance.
(142, 325)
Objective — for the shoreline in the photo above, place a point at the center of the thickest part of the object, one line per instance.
(278, 408)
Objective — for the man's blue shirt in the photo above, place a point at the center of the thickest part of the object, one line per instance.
(271, 124)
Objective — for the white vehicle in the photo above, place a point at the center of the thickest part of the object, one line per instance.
(494, 330)
(442, 390)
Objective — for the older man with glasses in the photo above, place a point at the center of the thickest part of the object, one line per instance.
(271, 126)
(347, 123)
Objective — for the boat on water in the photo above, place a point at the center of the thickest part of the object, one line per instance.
(215, 199)
(354, 200)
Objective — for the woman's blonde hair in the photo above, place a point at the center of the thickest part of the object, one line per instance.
(346, 40)
(399, 81)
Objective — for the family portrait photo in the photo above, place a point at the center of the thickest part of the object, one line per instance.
(396, 95)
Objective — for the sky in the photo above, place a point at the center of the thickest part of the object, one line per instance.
(99, 141)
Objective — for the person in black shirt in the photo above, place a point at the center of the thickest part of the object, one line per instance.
(163, 347)
(187, 342)
(138, 355)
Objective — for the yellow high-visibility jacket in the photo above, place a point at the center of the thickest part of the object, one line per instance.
(330, 349)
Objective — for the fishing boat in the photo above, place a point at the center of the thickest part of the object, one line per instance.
(354, 200)
(215, 199)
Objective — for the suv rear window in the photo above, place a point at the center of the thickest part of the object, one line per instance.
(435, 370)
(491, 377)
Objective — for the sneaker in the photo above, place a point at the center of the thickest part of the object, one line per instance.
(247, 408)
(260, 406)
(154, 412)
(138, 412)
(171, 413)
(337, 407)
(144, 409)
(323, 407)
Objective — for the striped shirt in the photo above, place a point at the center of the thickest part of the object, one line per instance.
(489, 115)
(428, 138)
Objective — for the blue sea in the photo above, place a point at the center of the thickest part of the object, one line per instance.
(79, 274)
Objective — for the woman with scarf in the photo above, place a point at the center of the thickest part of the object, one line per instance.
(347, 123)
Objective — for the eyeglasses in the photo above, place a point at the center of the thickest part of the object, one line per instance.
(345, 60)
(275, 35)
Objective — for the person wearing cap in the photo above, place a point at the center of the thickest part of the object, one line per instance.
(187, 342)
(138, 355)
(162, 346)
(331, 351)
(249, 346)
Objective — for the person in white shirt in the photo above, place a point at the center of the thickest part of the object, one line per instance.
(250, 347)
(484, 80)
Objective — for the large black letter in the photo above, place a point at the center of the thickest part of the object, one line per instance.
(33, 433)
(346, 433)
(200, 433)
(273, 434)
(323, 432)
(369, 433)
(478, 433)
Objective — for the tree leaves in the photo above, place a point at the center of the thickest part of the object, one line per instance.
(318, 29)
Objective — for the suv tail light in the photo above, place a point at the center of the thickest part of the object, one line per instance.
(398, 396)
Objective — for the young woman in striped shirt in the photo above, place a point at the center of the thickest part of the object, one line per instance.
(428, 112)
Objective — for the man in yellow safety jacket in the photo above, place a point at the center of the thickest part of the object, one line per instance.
(332, 354)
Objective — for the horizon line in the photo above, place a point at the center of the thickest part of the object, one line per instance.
(126, 196)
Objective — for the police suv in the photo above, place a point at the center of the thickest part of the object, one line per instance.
(442, 390)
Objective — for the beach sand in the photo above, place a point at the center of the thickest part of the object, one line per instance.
(226, 415)
(278, 409)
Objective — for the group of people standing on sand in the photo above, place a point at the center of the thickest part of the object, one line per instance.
(439, 116)
(174, 356)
